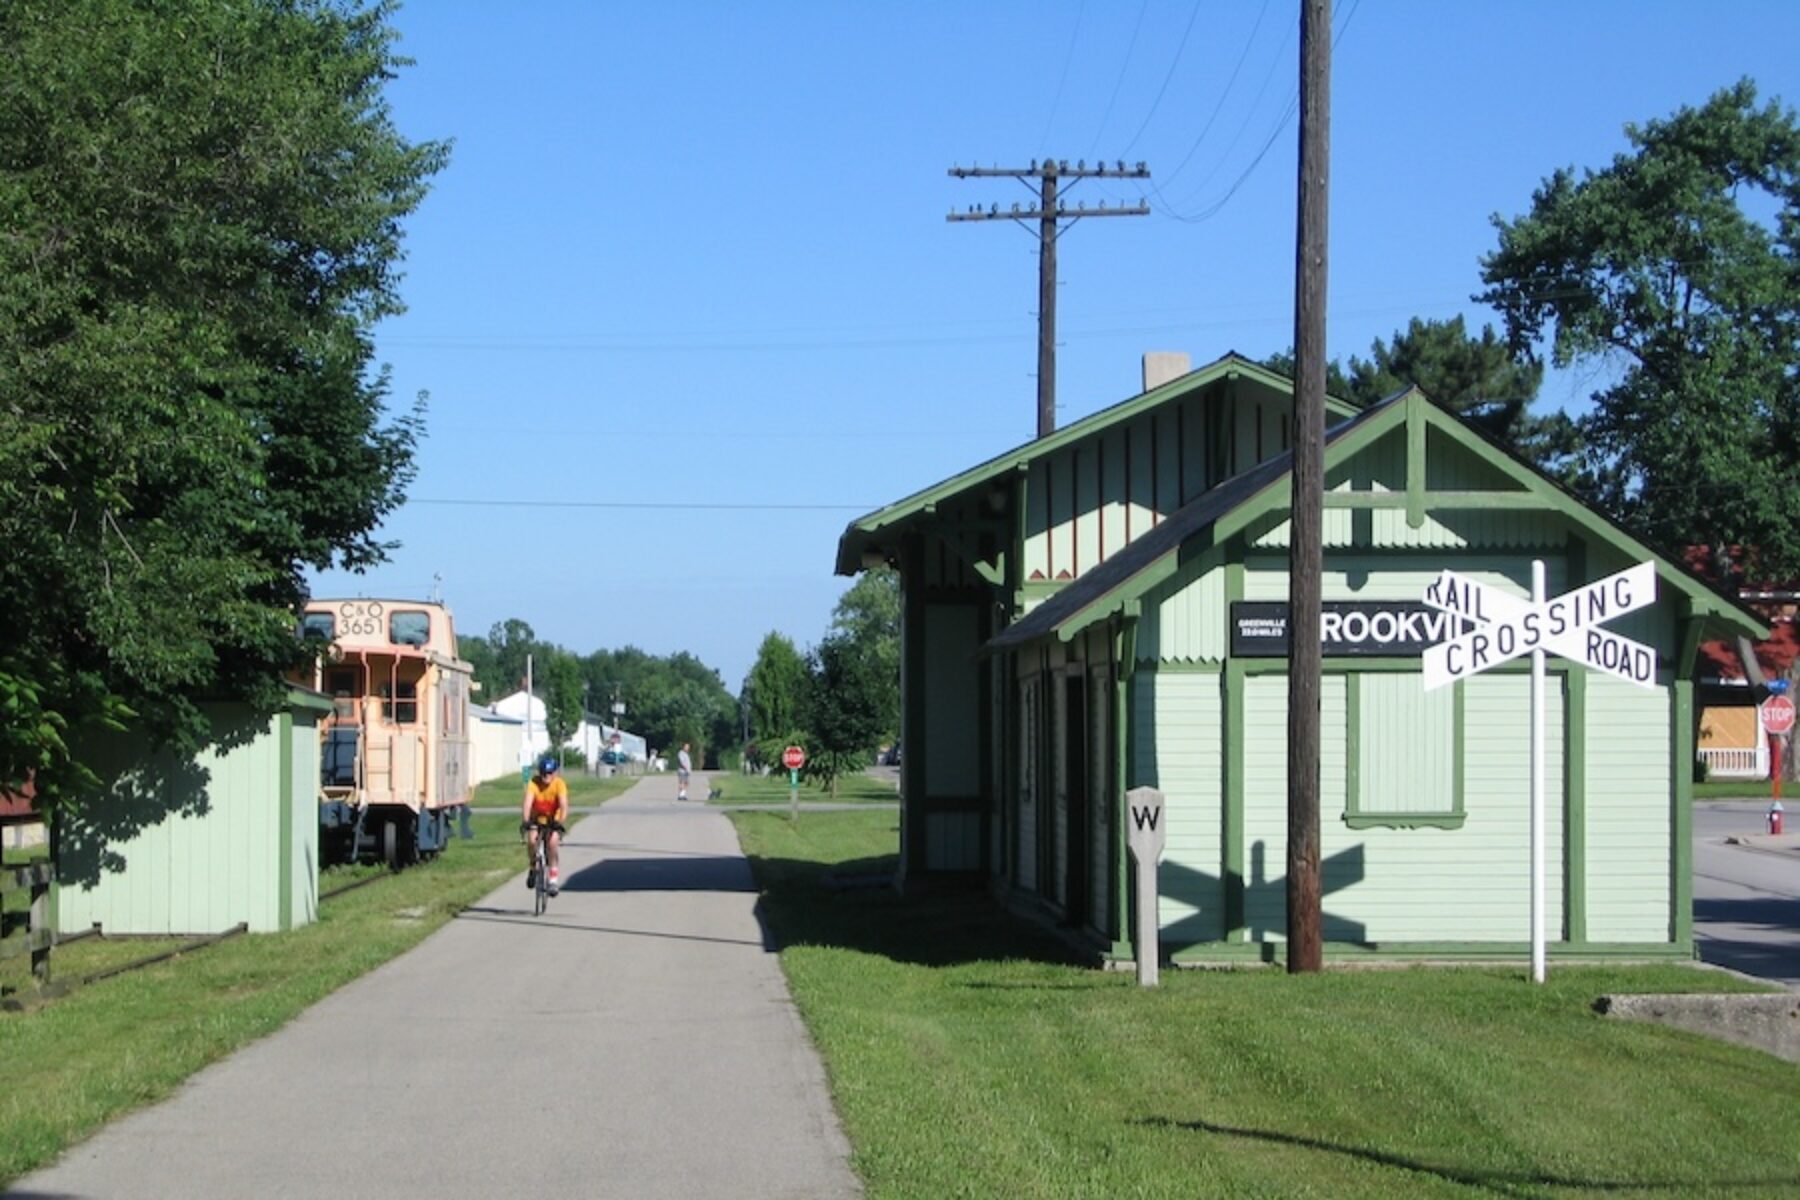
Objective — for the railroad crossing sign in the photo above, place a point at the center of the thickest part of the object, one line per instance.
(793, 758)
(1777, 714)
(1507, 626)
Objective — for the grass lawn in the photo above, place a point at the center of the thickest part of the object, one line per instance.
(968, 1058)
(1739, 789)
(773, 789)
(81, 1060)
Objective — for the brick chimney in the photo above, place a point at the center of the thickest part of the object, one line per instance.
(1161, 366)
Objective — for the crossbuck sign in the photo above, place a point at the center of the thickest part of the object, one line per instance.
(1507, 627)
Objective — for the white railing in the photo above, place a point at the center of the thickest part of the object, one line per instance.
(1736, 763)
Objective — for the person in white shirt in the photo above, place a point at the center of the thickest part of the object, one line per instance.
(683, 764)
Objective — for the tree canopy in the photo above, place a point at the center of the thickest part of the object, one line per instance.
(867, 616)
(200, 222)
(1482, 379)
(775, 697)
(1673, 270)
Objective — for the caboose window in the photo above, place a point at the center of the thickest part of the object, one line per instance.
(317, 626)
(409, 628)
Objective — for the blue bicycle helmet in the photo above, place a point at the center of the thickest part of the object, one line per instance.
(547, 766)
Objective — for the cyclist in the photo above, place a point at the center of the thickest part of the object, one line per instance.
(543, 812)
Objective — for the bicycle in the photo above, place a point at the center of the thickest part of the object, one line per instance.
(540, 863)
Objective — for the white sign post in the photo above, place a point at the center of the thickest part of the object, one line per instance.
(1507, 627)
(1145, 835)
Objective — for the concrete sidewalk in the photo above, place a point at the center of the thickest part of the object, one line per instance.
(635, 1041)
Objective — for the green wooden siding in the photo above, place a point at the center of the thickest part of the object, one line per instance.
(1190, 624)
(217, 856)
(303, 818)
(1031, 709)
(1469, 884)
(953, 765)
(1394, 577)
(1087, 499)
(1101, 800)
(1628, 844)
(1179, 718)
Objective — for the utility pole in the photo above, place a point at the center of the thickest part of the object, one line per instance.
(1049, 211)
(1305, 543)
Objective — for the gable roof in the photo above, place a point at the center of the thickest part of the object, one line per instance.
(1227, 509)
(860, 533)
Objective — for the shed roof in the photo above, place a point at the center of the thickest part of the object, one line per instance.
(1234, 504)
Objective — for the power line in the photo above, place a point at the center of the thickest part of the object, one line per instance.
(1124, 69)
(676, 505)
(1175, 62)
(1056, 103)
(1220, 106)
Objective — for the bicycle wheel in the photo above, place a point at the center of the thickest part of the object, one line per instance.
(543, 882)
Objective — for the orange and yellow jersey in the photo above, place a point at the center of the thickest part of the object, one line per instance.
(547, 798)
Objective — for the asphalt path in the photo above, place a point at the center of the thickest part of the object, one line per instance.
(1746, 891)
(637, 1040)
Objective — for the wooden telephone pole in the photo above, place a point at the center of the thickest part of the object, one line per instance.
(1305, 544)
(1049, 211)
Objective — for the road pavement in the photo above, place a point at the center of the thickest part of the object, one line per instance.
(637, 1041)
(1746, 891)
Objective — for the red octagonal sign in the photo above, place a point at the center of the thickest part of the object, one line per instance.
(1778, 714)
(793, 758)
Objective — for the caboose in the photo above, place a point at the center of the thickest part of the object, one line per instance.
(394, 753)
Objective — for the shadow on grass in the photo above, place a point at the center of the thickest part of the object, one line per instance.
(944, 924)
(1505, 1183)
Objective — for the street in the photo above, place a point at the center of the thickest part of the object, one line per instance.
(1746, 897)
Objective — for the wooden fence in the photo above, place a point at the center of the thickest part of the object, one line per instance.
(28, 931)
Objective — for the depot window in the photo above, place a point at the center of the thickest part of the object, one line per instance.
(1405, 752)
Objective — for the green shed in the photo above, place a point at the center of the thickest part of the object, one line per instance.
(180, 845)
(1121, 630)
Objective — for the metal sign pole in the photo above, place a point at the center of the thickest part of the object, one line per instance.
(1537, 786)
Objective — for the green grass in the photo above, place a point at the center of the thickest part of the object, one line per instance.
(773, 789)
(969, 1058)
(76, 1062)
(1738, 789)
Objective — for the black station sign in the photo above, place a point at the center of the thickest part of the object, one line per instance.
(1395, 628)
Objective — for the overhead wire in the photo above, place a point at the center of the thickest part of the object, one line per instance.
(1293, 106)
(1173, 64)
(1124, 69)
(1223, 95)
(1056, 103)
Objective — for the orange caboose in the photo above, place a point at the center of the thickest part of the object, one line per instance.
(394, 754)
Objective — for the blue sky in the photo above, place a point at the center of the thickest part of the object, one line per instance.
(689, 264)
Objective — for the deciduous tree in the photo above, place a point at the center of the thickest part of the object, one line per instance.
(200, 211)
(1673, 270)
(776, 696)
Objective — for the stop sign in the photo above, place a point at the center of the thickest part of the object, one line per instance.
(793, 758)
(1778, 714)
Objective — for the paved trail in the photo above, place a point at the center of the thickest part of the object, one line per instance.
(635, 1041)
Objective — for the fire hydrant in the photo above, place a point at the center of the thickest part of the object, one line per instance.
(1775, 817)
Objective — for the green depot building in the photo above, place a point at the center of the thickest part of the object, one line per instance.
(1104, 608)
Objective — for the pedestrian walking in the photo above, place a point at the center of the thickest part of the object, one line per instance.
(683, 765)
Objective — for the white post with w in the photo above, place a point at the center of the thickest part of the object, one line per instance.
(1145, 834)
